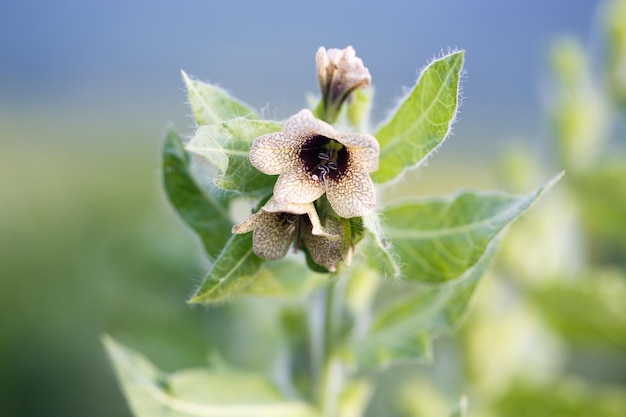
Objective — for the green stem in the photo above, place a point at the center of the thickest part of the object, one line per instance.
(316, 342)
(326, 371)
(323, 112)
(331, 378)
(329, 318)
(331, 387)
(320, 110)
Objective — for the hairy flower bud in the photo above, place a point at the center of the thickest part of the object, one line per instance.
(339, 73)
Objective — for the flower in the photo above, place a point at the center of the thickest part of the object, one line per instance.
(275, 227)
(339, 73)
(328, 252)
(311, 158)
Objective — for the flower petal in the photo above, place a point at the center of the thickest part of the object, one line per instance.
(271, 239)
(303, 125)
(248, 224)
(324, 69)
(363, 149)
(295, 186)
(274, 153)
(352, 195)
(272, 206)
(324, 251)
(339, 73)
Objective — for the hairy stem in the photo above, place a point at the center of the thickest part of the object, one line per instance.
(317, 335)
(331, 376)
(324, 325)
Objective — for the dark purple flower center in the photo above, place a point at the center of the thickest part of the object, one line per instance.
(293, 224)
(324, 158)
(288, 221)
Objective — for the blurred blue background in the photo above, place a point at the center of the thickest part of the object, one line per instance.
(110, 61)
(87, 242)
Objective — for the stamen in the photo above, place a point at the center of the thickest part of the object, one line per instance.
(288, 223)
(322, 158)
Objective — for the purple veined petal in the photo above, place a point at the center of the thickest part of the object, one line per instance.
(353, 195)
(297, 186)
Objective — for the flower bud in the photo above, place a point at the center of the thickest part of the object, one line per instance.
(339, 72)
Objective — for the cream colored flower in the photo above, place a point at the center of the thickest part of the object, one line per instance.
(275, 227)
(311, 158)
(328, 252)
(339, 73)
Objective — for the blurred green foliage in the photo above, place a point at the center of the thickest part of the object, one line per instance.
(547, 335)
(88, 244)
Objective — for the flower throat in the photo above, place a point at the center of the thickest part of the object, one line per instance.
(324, 158)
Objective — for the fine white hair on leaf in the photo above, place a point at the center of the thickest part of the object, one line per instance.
(448, 133)
(407, 90)
(265, 110)
(374, 223)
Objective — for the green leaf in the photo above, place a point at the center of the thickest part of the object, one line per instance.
(210, 104)
(437, 239)
(198, 392)
(232, 271)
(206, 214)
(419, 397)
(403, 327)
(587, 310)
(354, 398)
(423, 120)
(615, 50)
(568, 396)
(226, 146)
(445, 246)
(289, 278)
(601, 200)
(378, 250)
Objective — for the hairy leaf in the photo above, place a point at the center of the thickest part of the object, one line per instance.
(206, 214)
(232, 271)
(402, 329)
(226, 145)
(198, 392)
(446, 246)
(423, 120)
(210, 104)
(378, 249)
(439, 238)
